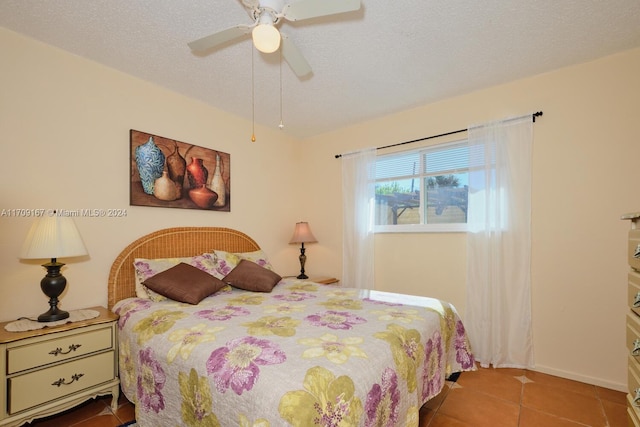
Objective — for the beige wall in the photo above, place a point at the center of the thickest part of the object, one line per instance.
(64, 132)
(64, 125)
(586, 173)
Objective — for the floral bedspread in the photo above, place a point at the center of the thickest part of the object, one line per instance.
(303, 355)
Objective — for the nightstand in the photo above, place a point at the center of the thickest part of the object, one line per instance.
(49, 370)
(325, 280)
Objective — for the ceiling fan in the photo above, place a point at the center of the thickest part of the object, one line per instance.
(266, 15)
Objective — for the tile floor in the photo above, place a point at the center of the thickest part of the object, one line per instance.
(92, 413)
(520, 398)
(484, 398)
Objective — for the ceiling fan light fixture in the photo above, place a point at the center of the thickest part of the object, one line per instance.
(266, 37)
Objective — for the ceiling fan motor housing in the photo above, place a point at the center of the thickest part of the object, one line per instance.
(268, 10)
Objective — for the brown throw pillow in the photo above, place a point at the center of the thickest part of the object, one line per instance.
(184, 283)
(251, 277)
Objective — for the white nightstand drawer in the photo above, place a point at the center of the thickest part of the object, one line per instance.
(32, 389)
(633, 292)
(633, 380)
(633, 336)
(634, 249)
(59, 349)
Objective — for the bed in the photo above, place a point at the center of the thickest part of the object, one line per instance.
(299, 354)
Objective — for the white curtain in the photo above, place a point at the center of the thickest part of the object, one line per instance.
(358, 201)
(498, 311)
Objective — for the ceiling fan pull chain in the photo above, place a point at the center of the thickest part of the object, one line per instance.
(281, 125)
(253, 101)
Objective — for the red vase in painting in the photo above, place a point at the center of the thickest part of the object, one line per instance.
(197, 174)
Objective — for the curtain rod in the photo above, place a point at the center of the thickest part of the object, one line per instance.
(533, 117)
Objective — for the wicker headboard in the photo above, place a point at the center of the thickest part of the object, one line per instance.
(171, 243)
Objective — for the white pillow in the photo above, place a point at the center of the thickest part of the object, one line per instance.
(259, 257)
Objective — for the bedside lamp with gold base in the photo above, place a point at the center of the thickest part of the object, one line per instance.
(302, 234)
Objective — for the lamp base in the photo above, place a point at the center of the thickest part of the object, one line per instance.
(53, 285)
(303, 260)
(54, 314)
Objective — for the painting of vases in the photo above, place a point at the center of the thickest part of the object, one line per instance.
(172, 174)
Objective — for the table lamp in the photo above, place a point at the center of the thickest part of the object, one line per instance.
(53, 237)
(302, 234)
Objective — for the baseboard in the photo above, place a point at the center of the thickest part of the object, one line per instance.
(582, 378)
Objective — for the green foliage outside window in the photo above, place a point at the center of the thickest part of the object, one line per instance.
(391, 188)
(442, 181)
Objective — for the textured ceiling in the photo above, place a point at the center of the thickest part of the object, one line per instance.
(386, 57)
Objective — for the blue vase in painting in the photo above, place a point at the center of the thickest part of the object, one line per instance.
(150, 162)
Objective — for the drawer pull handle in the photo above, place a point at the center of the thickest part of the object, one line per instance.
(636, 400)
(636, 300)
(76, 377)
(636, 348)
(636, 254)
(74, 347)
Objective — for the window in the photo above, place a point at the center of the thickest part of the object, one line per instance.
(424, 189)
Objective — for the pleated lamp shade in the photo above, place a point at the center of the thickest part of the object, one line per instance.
(53, 237)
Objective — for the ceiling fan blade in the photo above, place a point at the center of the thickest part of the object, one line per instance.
(294, 57)
(251, 4)
(305, 9)
(219, 38)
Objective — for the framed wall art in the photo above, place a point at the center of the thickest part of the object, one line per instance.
(172, 174)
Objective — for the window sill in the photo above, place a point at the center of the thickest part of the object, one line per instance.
(421, 228)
